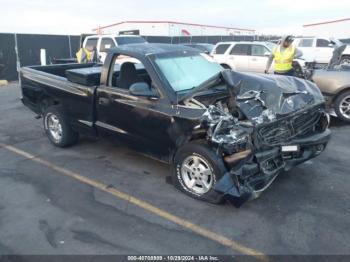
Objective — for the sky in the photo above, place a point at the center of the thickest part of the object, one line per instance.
(76, 17)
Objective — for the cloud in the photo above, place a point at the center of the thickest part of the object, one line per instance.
(75, 17)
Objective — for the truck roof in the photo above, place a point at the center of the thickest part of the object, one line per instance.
(147, 49)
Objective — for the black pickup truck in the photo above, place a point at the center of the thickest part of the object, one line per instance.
(226, 134)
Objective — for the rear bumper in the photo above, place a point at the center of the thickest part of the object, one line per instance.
(253, 175)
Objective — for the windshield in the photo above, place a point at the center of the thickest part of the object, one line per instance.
(187, 71)
(125, 40)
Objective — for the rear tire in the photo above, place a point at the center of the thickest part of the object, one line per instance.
(342, 106)
(57, 127)
(196, 169)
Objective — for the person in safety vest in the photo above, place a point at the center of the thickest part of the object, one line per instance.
(283, 54)
(84, 55)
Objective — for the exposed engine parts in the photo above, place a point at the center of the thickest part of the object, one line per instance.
(252, 129)
(224, 130)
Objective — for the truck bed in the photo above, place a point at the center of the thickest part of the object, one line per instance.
(67, 84)
(84, 74)
(72, 85)
(68, 71)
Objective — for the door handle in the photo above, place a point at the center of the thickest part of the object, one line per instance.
(254, 59)
(103, 101)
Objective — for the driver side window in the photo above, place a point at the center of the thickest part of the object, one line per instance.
(127, 71)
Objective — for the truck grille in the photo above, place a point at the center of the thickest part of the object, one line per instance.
(282, 131)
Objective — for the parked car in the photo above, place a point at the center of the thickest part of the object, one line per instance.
(334, 82)
(206, 48)
(101, 43)
(227, 135)
(321, 49)
(249, 56)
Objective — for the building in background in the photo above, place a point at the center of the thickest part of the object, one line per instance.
(336, 28)
(169, 28)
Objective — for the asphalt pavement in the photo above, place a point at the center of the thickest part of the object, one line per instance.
(306, 211)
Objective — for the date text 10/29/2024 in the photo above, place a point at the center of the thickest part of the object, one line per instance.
(173, 258)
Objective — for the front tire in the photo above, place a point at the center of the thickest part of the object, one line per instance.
(196, 170)
(57, 127)
(342, 106)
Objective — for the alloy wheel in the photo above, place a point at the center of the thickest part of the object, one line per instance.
(54, 127)
(197, 174)
(344, 107)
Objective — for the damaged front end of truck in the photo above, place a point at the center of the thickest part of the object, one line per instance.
(266, 125)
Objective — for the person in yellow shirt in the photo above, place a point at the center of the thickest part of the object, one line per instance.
(283, 55)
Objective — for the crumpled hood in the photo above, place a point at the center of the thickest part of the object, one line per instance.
(264, 97)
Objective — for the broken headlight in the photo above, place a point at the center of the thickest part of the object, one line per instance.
(230, 137)
(224, 131)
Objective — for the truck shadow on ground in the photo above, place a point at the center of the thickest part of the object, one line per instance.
(336, 122)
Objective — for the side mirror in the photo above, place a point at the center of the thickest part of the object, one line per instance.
(267, 53)
(142, 89)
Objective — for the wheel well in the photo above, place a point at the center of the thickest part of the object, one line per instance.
(193, 139)
(47, 101)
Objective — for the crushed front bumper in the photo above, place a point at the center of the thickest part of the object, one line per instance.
(248, 178)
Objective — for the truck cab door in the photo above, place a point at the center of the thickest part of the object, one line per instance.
(140, 121)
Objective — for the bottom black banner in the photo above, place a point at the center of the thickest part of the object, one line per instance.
(215, 258)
